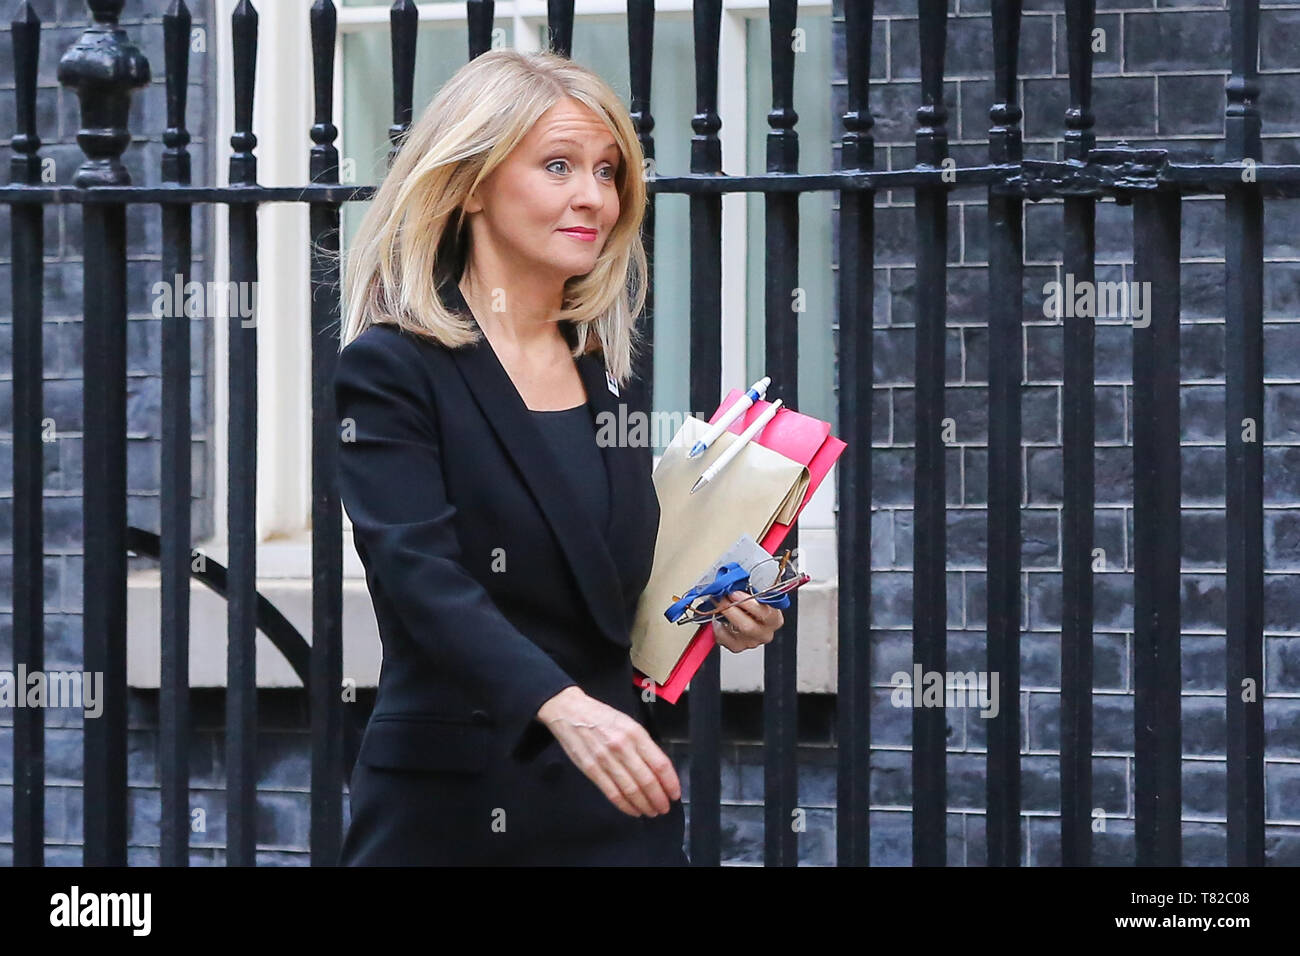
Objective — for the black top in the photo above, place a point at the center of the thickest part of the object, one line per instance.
(571, 435)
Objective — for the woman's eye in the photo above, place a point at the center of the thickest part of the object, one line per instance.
(564, 162)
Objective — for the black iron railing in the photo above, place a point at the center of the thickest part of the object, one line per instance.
(104, 68)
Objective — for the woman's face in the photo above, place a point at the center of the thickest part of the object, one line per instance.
(550, 207)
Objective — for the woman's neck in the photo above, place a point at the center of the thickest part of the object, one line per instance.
(514, 314)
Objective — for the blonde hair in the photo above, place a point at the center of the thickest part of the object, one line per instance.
(415, 235)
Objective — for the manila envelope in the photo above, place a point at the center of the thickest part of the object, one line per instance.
(757, 488)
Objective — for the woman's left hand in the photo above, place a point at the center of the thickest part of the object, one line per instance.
(745, 625)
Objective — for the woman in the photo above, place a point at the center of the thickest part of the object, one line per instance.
(488, 325)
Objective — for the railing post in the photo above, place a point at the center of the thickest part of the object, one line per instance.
(327, 721)
(640, 57)
(1078, 437)
(705, 386)
(104, 68)
(27, 222)
(929, 548)
(1157, 675)
(559, 26)
(1006, 358)
(241, 518)
(177, 480)
(853, 519)
(1244, 453)
(781, 277)
(403, 31)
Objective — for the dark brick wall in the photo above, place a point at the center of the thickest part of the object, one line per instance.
(1185, 114)
(1184, 111)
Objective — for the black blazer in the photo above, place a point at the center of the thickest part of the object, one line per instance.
(493, 590)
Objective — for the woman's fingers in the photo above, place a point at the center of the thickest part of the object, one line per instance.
(659, 764)
(727, 637)
(738, 628)
(617, 754)
(598, 772)
(601, 778)
(618, 757)
(764, 616)
(635, 780)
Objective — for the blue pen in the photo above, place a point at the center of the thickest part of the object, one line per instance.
(756, 391)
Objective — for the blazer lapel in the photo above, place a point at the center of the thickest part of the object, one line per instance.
(584, 544)
(626, 529)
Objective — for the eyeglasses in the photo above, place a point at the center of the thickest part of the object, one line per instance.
(768, 582)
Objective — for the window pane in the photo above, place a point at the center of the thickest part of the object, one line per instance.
(812, 103)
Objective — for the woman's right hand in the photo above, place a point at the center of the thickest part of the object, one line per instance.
(616, 753)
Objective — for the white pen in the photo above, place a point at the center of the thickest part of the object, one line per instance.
(738, 408)
(711, 472)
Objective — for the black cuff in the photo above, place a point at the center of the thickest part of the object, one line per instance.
(532, 741)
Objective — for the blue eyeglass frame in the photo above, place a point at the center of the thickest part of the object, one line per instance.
(733, 577)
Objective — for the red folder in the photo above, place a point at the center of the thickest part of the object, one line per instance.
(799, 437)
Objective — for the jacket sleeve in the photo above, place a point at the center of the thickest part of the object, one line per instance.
(391, 483)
